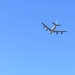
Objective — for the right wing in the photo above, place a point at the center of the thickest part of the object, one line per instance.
(47, 28)
(59, 31)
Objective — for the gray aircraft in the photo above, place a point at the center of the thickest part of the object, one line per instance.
(53, 28)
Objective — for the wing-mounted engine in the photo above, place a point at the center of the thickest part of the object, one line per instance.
(61, 32)
(43, 26)
(56, 32)
(47, 29)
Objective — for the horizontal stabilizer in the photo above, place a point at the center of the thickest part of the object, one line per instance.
(56, 24)
(53, 23)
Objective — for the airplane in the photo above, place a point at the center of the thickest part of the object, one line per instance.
(53, 29)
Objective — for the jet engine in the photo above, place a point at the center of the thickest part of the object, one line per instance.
(46, 29)
(61, 32)
(56, 32)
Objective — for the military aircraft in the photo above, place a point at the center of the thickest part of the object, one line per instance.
(53, 29)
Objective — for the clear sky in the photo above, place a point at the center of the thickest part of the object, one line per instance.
(28, 49)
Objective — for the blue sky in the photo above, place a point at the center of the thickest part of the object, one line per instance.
(26, 48)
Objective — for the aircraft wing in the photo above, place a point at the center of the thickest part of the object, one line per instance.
(59, 31)
(47, 28)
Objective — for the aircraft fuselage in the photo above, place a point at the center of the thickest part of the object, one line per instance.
(54, 27)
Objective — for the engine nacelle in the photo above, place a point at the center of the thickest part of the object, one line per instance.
(46, 29)
(56, 32)
(61, 32)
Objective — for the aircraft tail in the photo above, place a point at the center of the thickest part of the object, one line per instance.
(56, 24)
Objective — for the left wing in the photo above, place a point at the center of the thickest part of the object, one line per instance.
(47, 28)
